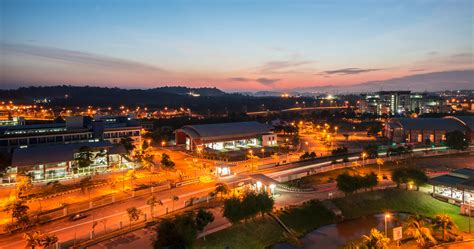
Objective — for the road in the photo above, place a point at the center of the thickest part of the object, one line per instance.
(111, 216)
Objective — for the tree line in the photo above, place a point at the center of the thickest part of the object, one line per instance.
(352, 183)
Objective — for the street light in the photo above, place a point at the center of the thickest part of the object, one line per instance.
(263, 152)
(469, 206)
(386, 217)
(163, 143)
(364, 155)
(251, 159)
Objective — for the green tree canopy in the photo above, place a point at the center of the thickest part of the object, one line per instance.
(457, 140)
(127, 143)
(166, 161)
(179, 232)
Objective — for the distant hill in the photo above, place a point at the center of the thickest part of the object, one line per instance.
(203, 91)
(204, 100)
(435, 81)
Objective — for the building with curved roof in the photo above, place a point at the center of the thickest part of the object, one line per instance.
(419, 130)
(225, 135)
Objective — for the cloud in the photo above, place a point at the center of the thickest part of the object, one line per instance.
(281, 66)
(349, 71)
(418, 70)
(266, 81)
(263, 81)
(432, 53)
(241, 79)
(78, 57)
(466, 58)
(463, 55)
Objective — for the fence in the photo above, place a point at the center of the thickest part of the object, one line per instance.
(95, 203)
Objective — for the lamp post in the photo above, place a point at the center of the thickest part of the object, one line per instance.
(263, 152)
(386, 217)
(363, 158)
(251, 159)
(469, 207)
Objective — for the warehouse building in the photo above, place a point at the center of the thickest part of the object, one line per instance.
(419, 130)
(225, 136)
(75, 129)
(55, 162)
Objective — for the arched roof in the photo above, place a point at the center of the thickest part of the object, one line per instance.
(223, 131)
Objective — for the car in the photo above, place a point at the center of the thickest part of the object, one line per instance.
(78, 216)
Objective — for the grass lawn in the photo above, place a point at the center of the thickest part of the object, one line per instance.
(307, 217)
(253, 234)
(397, 200)
(386, 169)
(264, 232)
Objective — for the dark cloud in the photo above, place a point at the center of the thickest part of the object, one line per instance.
(266, 81)
(263, 81)
(349, 71)
(78, 57)
(418, 70)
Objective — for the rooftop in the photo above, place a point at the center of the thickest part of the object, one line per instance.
(460, 178)
(54, 153)
(226, 130)
(428, 124)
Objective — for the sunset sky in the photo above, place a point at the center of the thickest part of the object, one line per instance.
(232, 45)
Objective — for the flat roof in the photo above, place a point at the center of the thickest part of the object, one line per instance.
(460, 178)
(222, 131)
(265, 180)
(22, 157)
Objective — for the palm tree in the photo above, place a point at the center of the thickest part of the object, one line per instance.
(415, 227)
(222, 188)
(446, 225)
(49, 240)
(152, 201)
(133, 214)
(375, 240)
(32, 239)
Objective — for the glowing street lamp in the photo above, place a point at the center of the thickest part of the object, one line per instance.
(386, 217)
(263, 152)
(163, 143)
(364, 155)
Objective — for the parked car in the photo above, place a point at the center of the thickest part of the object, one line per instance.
(78, 216)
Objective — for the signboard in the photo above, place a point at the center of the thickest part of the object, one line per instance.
(397, 233)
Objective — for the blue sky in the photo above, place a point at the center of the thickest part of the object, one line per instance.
(231, 44)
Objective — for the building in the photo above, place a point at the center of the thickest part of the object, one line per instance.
(425, 103)
(75, 129)
(225, 136)
(419, 130)
(400, 102)
(52, 162)
(468, 123)
(456, 187)
(386, 102)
